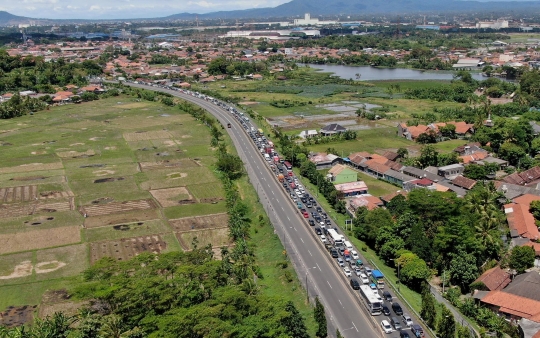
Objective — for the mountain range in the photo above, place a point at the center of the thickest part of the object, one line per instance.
(329, 8)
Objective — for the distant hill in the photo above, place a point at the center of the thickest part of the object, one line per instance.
(326, 8)
(10, 19)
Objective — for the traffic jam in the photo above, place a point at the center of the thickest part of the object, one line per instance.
(362, 278)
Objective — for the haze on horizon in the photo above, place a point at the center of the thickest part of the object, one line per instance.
(125, 9)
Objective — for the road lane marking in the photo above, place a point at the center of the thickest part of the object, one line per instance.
(318, 266)
(355, 327)
(329, 284)
(339, 300)
(302, 240)
(310, 253)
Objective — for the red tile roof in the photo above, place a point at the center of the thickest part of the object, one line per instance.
(525, 177)
(512, 304)
(520, 219)
(464, 182)
(495, 278)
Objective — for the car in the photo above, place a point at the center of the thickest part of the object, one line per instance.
(387, 296)
(311, 222)
(394, 321)
(340, 261)
(318, 231)
(417, 331)
(373, 286)
(364, 278)
(397, 309)
(354, 255)
(404, 334)
(407, 320)
(357, 271)
(354, 284)
(323, 238)
(319, 209)
(327, 221)
(334, 253)
(385, 310)
(309, 205)
(306, 215)
(387, 328)
(347, 271)
(299, 205)
(304, 199)
(347, 258)
(341, 250)
(367, 270)
(324, 215)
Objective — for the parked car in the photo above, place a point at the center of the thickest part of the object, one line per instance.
(397, 309)
(407, 320)
(387, 328)
(354, 284)
(340, 262)
(387, 296)
(347, 271)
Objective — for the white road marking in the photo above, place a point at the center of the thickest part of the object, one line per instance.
(318, 266)
(339, 300)
(310, 253)
(329, 285)
(302, 240)
(355, 327)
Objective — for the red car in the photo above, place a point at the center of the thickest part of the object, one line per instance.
(306, 215)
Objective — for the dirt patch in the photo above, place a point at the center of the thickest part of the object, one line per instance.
(93, 166)
(110, 148)
(41, 152)
(103, 200)
(132, 105)
(167, 164)
(186, 136)
(58, 301)
(28, 178)
(147, 135)
(171, 143)
(121, 218)
(126, 248)
(18, 194)
(39, 239)
(15, 316)
(55, 194)
(103, 172)
(216, 237)
(248, 103)
(22, 269)
(126, 227)
(76, 154)
(116, 207)
(109, 179)
(94, 138)
(200, 222)
(76, 144)
(32, 167)
(174, 176)
(45, 267)
(24, 209)
(172, 196)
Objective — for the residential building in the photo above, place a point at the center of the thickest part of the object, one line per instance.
(308, 133)
(464, 182)
(528, 177)
(323, 160)
(451, 171)
(352, 188)
(332, 129)
(520, 220)
(494, 279)
(342, 174)
(367, 201)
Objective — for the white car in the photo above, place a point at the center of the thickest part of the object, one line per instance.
(387, 328)
(323, 239)
(364, 278)
(347, 271)
(340, 261)
(407, 320)
(368, 270)
(354, 255)
(357, 271)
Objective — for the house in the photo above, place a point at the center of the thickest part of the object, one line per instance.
(467, 64)
(392, 156)
(375, 168)
(451, 171)
(332, 129)
(423, 183)
(352, 188)
(490, 159)
(527, 178)
(469, 149)
(257, 77)
(324, 161)
(308, 133)
(512, 307)
(419, 173)
(396, 177)
(387, 198)
(367, 201)
(412, 132)
(464, 182)
(93, 89)
(520, 220)
(184, 85)
(494, 279)
(342, 174)
(525, 285)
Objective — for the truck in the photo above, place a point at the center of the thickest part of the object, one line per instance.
(377, 278)
(334, 237)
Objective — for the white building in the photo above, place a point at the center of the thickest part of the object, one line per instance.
(492, 24)
(307, 20)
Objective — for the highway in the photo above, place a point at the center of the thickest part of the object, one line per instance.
(314, 266)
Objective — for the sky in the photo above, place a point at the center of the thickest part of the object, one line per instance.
(124, 9)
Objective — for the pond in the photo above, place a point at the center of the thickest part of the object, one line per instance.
(368, 73)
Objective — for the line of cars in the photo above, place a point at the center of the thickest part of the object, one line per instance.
(319, 219)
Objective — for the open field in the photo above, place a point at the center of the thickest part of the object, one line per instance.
(75, 186)
(199, 222)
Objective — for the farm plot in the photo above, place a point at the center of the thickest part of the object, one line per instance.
(58, 301)
(116, 207)
(216, 237)
(208, 192)
(32, 167)
(147, 135)
(18, 194)
(172, 196)
(39, 239)
(61, 262)
(168, 164)
(178, 177)
(199, 222)
(126, 248)
(16, 266)
(127, 230)
(15, 316)
(76, 154)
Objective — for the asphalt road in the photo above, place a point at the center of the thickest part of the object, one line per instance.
(313, 264)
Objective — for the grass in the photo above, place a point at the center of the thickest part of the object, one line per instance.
(31, 293)
(195, 209)
(376, 187)
(449, 146)
(109, 233)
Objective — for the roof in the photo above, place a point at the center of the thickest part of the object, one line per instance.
(390, 155)
(368, 201)
(323, 158)
(464, 182)
(523, 178)
(376, 166)
(423, 182)
(351, 187)
(535, 246)
(520, 219)
(451, 167)
(512, 304)
(525, 285)
(334, 127)
(389, 197)
(339, 168)
(419, 173)
(495, 278)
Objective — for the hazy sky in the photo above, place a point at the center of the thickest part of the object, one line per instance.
(119, 9)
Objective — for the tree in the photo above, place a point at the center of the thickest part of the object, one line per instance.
(463, 269)
(463, 332)
(511, 152)
(320, 319)
(428, 311)
(448, 130)
(294, 323)
(522, 258)
(534, 208)
(429, 156)
(414, 271)
(403, 153)
(429, 136)
(230, 165)
(447, 325)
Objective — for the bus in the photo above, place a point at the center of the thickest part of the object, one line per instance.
(377, 278)
(287, 165)
(370, 300)
(336, 238)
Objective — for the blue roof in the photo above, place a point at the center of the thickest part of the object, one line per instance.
(346, 159)
(377, 274)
